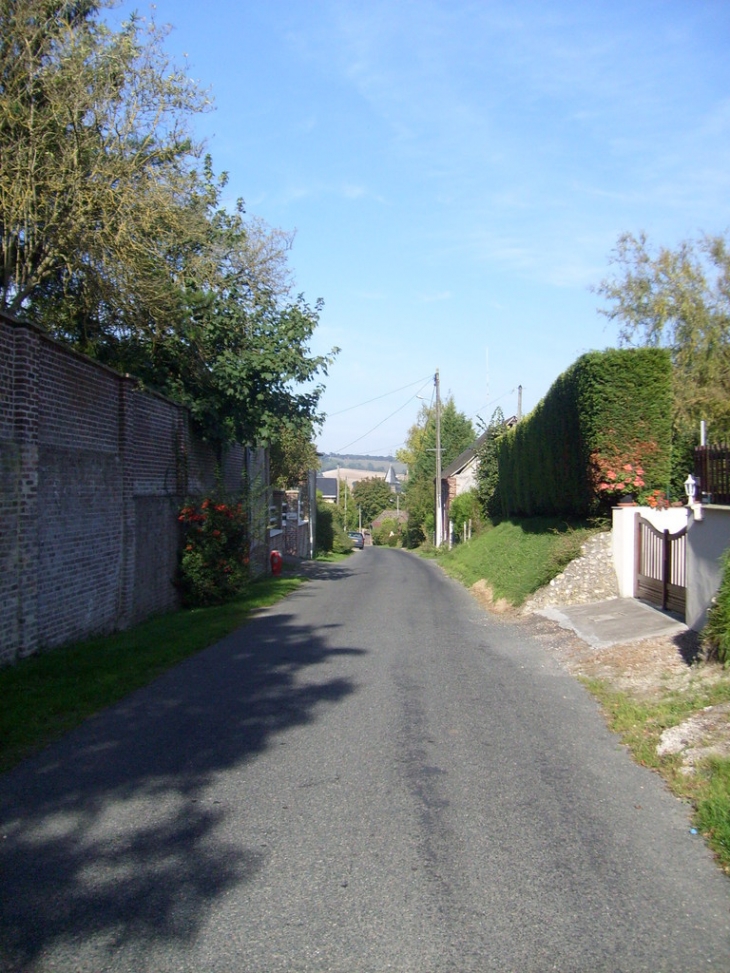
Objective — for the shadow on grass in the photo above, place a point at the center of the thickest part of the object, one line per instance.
(110, 836)
(549, 525)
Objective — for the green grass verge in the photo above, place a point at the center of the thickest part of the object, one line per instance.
(517, 556)
(46, 695)
(640, 725)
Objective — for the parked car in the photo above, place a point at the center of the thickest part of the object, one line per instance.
(357, 538)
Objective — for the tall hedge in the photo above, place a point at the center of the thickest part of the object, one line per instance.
(610, 411)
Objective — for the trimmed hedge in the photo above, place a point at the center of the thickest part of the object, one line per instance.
(608, 417)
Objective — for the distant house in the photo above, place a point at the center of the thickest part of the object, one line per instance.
(461, 475)
(327, 486)
(401, 516)
(392, 480)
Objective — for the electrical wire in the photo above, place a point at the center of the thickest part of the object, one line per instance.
(377, 397)
(379, 424)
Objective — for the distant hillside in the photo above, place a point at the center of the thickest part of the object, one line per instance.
(373, 464)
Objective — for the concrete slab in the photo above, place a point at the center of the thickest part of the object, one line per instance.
(617, 620)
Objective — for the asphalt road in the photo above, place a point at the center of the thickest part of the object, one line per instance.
(373, 775)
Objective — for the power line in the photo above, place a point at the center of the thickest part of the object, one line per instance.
(493, 402)
(377, 397)
(379, 424)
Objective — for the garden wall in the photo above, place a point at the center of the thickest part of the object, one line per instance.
(707, 542)
(93, 472)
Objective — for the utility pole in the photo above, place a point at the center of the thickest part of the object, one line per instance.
(439, 514)
(519, 403)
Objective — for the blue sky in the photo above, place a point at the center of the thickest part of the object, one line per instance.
(457, 174)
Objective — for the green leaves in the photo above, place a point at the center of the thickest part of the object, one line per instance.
(112, 234)
(679, 299)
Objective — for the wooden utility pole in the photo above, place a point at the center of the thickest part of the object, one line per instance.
(439, 512)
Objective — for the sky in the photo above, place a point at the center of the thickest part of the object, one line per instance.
(457, 175)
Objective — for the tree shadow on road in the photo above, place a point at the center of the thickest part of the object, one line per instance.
(110, 836)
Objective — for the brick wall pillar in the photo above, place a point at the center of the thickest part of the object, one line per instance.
(25, 394)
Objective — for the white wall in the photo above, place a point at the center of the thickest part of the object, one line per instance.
(707, 540)
(708, 537)
(624, 539)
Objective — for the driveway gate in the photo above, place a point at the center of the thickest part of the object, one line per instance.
(661, 577)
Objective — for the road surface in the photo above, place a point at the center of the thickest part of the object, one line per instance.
(373, 775)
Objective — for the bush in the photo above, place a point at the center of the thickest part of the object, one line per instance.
(324, 530)
(341, 543)
(466, 509)
(716, 633)
(602, 421)
(214, 560)
(330, 536)
(388, 534)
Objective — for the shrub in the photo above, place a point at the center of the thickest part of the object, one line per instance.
(214, 559)
(388, 534)
(324, 530)
(603, 428)
(341, 543)
(465, 509)
(716, 633)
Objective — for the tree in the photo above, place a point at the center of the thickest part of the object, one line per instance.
(488, 466)
(372, 496)
(98, 176)
(114, 238)
(292, 456)
(679, 299)
(457, 434)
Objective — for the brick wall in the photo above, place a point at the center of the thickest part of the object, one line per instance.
(92, 474)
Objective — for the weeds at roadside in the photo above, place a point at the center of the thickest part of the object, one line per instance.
(640, 725)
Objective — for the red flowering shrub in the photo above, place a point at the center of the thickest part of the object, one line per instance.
(617, 474)
(657, 499)
(214, 560)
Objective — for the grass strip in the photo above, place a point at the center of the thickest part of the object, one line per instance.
(640, 726)
(517, 556)
(46, 695)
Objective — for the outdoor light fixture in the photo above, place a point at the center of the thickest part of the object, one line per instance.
(690, 488)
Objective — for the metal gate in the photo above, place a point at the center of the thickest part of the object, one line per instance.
(661, 577)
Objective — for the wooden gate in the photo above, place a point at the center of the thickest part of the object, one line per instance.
(661, 577)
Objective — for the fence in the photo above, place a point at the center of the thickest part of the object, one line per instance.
(712, 470)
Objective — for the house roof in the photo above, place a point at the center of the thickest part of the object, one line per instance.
(463, 459)
(327, 486)
(399, 515)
